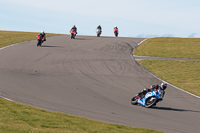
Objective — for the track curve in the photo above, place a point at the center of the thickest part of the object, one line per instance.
(93, 78)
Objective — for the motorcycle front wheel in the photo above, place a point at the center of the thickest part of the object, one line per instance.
(39, 43)
(116, 34)
(151, 101)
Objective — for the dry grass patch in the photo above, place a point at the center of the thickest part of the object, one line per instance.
(170, 47)
(12, 37)
(183, 74)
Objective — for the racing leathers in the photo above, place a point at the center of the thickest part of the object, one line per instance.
(144, 91)
(43, 36)
(99, 27)
(74, 28)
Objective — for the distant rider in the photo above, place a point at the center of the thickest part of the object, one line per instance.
(43, 35)
(99, 27)
(74, 28)
(163, 86)
(115, 28)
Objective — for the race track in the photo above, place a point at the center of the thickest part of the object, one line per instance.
(93, 78)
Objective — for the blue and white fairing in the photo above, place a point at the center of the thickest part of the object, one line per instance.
(159, 94)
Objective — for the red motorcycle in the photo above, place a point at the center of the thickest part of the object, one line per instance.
(115, 32)
(73, 33)
(40, 40)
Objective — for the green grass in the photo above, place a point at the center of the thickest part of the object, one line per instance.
(170, 47)
(183, 74)
(18, 118)
(12, 37)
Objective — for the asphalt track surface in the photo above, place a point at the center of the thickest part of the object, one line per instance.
(94, 78)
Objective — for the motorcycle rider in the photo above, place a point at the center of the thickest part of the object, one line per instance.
(163, 86)
(43, 35)
(116, 32)
(74, 28)
(99, 27)
(115, 28)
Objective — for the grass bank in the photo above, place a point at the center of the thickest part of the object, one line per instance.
(170, 47)
(12, 37)
(18, 118)
(183, 74)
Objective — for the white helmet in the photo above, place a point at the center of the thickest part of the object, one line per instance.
(42, 32)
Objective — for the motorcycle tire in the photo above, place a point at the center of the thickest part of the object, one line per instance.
(134, 101)
(151, 101)
(39, 43)
(116, 34)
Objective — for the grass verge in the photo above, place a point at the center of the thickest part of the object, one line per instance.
(12, 37)
(183, 74)
(18, 118)
(170, 47)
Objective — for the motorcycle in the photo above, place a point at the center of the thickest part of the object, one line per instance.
(98, 31)
(40, 40)
(116, 32)
(150, 99)
(73, 33)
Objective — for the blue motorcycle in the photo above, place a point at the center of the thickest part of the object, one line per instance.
(150, 99)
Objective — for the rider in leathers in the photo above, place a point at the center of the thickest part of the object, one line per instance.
(99, 27)
(163, 86)
(43, 35)
(74, 28)
(115, 28)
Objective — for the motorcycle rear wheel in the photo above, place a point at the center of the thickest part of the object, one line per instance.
(134, 101)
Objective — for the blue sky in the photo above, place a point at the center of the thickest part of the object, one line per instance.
(134, 18)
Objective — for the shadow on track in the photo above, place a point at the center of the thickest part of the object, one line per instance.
(81, 39)
(50, 46)
(173, 109)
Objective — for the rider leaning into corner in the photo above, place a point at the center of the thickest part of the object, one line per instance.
(74, 28)
(43, 35)
(163, 86)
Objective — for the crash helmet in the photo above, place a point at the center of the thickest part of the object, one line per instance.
(42, 32)
(163, 86)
